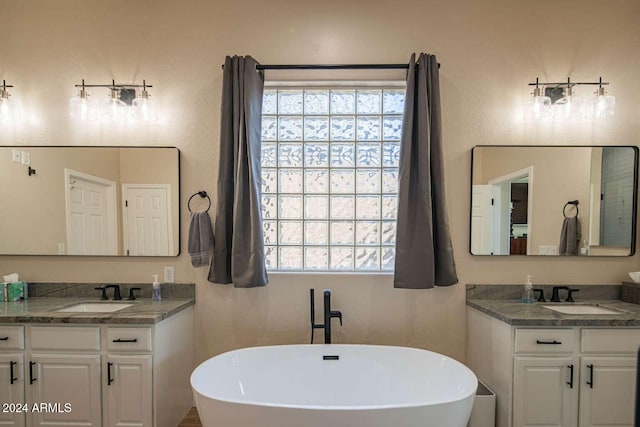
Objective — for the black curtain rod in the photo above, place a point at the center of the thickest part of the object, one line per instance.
(334, 67)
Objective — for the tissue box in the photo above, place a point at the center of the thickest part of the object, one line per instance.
(12, 292)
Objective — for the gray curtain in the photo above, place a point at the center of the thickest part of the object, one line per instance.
(238, 255)
(424, 256)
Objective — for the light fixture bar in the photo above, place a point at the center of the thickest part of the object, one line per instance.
(112, 85)
(569, 83)
(5, 85)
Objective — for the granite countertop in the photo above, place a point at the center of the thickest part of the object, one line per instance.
(43, 310)
(503, 303)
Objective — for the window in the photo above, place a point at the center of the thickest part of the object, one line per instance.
(330, 176)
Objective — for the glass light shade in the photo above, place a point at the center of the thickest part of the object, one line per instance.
(144, 109)
(602, 105)
(570, 107)
(113, 109)
(83, 108)
(7, 110)
(538, 108)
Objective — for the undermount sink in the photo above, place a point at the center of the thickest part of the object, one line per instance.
(581, 309)
(94, 307)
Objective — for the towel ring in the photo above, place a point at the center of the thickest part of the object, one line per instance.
(570, 202)
(202, 194)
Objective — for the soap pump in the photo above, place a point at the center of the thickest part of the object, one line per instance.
(527, 293)
(155, 292)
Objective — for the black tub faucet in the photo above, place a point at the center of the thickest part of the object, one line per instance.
(328, 315)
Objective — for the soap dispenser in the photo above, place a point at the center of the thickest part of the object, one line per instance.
(527, 292)
(155, 292)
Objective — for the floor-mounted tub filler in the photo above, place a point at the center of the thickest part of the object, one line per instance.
(333, 385)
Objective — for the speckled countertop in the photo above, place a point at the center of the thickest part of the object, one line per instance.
(51, 297)
(43, 310)
(503, 303)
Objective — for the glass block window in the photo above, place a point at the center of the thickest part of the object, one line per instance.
(330, 177)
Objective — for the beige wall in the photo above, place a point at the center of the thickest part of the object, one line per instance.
(559, 175)
(489, 51)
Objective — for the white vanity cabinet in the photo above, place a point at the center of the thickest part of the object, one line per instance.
(565, 376)
(98, 375)
(11, 375)
(62, 371)
(128, 385)
(608, 376)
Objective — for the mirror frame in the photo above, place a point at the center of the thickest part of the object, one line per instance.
(634, 213)
(179, 219)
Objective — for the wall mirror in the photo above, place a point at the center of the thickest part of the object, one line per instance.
(524, 199)
(107, 201)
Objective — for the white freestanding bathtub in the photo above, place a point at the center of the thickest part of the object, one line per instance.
(333, 385)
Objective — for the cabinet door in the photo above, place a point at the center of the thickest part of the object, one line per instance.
(12, 390)
(607, 391)
(67, 388)
(128, 391)
(545, 392)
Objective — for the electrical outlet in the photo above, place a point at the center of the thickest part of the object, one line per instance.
(169, 274)
(60, 248)
(16, 156)
(25, 158)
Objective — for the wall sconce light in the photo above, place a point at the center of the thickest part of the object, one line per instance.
(119, 106)
(602, 105)
(144, 109)
(81, 107)
(539, 107)
(8, 109)
(560, 102)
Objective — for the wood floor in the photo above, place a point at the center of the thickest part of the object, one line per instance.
(191, 420)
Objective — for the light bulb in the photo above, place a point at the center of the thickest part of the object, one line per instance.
(113, 109)
(144, 109)
(8, 109)
(539, 107)
(83, 108)
(602, 105)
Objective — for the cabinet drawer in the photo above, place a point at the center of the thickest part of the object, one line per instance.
(129, 339)
(610, 340)
(65, 338)
(11, 337)
(545, 340)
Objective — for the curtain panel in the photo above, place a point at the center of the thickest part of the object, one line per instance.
(238, 255)
(424, 255)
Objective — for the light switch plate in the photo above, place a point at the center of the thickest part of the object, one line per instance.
(16, 156)
(26, 158)
(169, 274)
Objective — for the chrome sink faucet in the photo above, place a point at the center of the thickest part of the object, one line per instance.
(328, 315)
